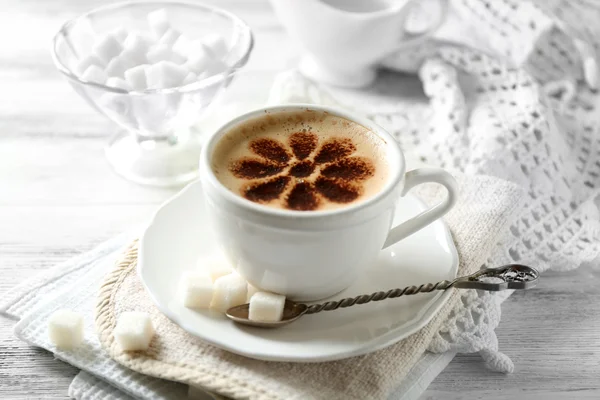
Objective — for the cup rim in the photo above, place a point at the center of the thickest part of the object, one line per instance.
(178, 89)
(397, 165)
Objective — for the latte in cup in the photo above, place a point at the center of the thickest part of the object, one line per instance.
(304, 160)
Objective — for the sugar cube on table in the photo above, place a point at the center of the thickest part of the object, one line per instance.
(95, 74)
(165, 74)
(197, 287)
(216, 45)
(169, 37)
(158, 21)
(251, 290)
(134, 331)
(86, 62)
(266, 307)
(136, 77)
(65, 329)
(106, 48)
(162, 52)
(229, 291)
(118, 83)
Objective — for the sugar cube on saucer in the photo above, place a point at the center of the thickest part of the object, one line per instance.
(107, 48)
(134, 331)
(251, 290)
(158, 21)
(136, 77)
(229, 291)
(197, 289)
(267, 307)
(93, 73)
(65, 328)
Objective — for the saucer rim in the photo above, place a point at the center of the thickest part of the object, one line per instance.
(424, 316)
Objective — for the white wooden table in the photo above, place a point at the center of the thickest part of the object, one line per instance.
(59, 198)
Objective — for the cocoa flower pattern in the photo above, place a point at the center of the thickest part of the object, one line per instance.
(302, 175)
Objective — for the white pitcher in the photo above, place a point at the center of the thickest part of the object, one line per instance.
(344, 40)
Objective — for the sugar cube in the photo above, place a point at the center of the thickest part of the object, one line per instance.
(199, 62)
(132, 58)
(265, 306)
(216, 45)
(134, 331)
(169, 38)
(107, 48)
(95, 74)
(163, 52)
(118, 83)
(136, 77)
(251, 290)
(190, 78)
(165, 74)
(182, 45)
(215, 266)
(118, 65)
(228, 291)
(120, 33)
(86, 62)
(158, 21)
(65, 328)
(137, 44)
(197, 289)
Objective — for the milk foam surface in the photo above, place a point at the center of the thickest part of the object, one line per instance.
(301, 160)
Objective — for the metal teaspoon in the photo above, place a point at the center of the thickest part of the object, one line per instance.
(512, 276)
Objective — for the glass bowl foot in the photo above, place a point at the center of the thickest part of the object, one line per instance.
(160, 162)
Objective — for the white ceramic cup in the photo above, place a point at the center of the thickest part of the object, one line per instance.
(310, 255)
(345, 40)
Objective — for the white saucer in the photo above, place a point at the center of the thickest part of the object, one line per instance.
(179, 234)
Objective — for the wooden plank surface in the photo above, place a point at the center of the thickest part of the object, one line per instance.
(59, 198)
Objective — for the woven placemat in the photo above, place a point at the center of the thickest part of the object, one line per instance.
(481, 216)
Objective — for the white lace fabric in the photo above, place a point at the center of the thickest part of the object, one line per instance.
(519, 104)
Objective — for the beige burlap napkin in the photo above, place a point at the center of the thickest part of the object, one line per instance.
(483, 213)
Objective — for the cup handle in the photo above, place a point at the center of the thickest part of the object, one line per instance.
(411, 39)
(414, 178)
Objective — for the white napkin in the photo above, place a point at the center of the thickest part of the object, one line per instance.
(74, 285)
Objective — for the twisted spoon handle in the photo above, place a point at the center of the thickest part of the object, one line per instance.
(512, 276)
(377, 296)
